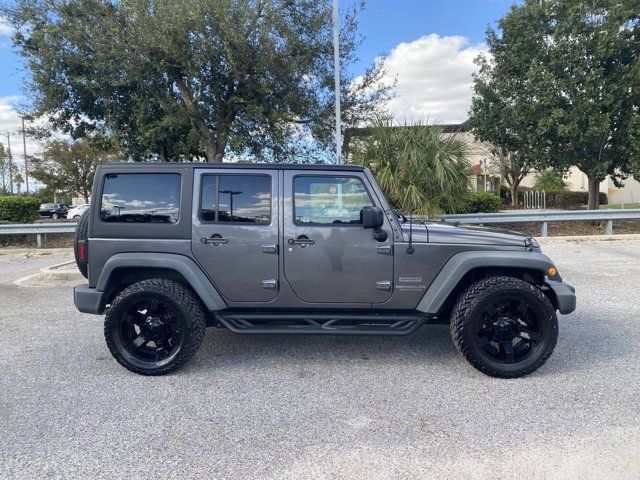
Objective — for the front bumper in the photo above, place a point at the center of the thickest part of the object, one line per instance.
(565, 296)
(88, 300)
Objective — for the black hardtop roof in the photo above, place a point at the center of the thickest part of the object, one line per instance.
(223, 165)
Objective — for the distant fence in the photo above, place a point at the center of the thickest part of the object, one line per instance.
(544, 217)
(37, 229)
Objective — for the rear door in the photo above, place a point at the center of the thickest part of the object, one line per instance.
(235, 231)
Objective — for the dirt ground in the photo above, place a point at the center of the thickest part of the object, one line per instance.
(563, 229)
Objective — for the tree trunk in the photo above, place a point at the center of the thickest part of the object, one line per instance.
(594, 193)
(514, 194)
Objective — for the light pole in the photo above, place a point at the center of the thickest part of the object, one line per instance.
(336, 67)
(8, 134)
(231, 194)
(24, 146)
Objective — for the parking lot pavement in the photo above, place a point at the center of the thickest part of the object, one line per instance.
(324, 407)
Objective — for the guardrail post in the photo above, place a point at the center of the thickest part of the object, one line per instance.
(545, 229)
(609, 227)
(39, 240)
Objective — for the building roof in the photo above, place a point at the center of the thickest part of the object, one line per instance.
(361, 132)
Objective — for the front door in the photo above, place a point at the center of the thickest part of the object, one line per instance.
(235, 232)
(330, 257)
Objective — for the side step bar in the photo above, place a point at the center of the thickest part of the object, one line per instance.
(321, 324)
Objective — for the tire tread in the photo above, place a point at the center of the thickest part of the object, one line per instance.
(191, 308)
(469, 299)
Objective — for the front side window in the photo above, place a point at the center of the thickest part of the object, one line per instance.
(236, 199)
(321, 200)
(140, 198)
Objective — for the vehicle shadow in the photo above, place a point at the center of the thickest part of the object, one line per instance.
(584, 343)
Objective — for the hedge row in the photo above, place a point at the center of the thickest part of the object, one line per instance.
(15, 209)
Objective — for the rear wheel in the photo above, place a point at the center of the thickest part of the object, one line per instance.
(504, 327)
(55, 216)
(154, 326)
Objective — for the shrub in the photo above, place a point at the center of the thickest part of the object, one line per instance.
(482, 202)
(15, 209)
(550, 181)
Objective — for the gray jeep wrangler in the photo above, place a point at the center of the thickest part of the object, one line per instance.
(169, 249)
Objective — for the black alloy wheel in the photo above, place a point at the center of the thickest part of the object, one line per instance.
(509, 330)
(150, 330)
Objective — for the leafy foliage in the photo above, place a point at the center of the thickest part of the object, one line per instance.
(18, 209)
(550, 181)
(482, 202)
(419, 168)
(178, 80)
(69, 167)
(560, 87)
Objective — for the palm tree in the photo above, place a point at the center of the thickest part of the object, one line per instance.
(421, 169)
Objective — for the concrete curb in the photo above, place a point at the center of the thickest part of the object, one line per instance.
(61, 271)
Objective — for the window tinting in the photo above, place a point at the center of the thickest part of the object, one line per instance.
(236, 199)
(141, 198)
(329, 200)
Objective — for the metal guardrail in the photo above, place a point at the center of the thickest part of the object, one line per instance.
(37, 229)
(544, 217)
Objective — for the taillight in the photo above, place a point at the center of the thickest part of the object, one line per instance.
(82, 251)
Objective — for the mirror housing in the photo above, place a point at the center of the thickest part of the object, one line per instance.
(373, 217)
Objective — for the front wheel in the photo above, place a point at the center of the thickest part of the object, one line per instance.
(55, 216)
(154, 326)
(505, 327)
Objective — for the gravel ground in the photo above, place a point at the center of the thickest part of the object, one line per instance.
(323, 407)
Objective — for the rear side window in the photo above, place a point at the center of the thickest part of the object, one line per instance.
(140, 198)
(236, 199)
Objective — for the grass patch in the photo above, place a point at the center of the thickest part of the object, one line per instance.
(619, 206)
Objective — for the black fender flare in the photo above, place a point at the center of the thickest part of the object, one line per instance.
(185, 266)
(462, 263)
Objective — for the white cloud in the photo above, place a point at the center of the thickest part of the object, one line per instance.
(434, 78)
(5, 27)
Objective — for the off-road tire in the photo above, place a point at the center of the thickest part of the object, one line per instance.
(176, 295)
(470, 304)
(82, 232)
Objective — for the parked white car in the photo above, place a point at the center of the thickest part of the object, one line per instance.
(76, 211)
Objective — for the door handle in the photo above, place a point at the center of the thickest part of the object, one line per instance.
(302, 240)
(216, 239)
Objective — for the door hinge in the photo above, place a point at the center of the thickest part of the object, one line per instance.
(384, 249)
(270, 284)
(384, 286)
(270, 248)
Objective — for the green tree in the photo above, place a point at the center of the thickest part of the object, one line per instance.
(514, 167)
(68, 167)
(181, 79)
(561, 86)
(420, 168)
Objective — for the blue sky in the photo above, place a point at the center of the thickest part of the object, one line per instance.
(386, 23)
(428, 46)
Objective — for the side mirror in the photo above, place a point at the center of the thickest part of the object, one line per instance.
(373, 217)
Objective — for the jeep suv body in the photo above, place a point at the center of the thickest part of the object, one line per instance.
(170, 248)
